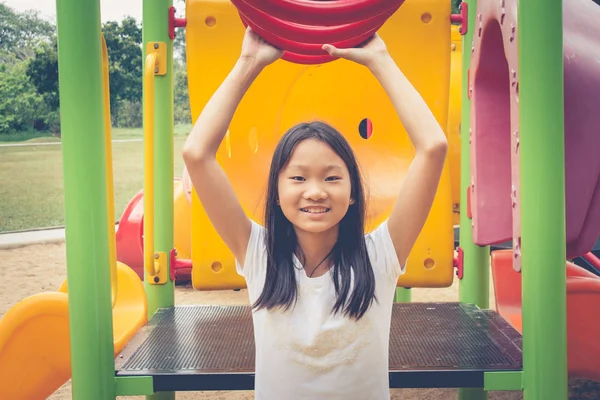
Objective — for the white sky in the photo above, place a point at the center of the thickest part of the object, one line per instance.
(111, 10)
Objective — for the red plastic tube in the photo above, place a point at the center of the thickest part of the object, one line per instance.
(325, 13)
(309, 33)
(303, 58)
(301, 27)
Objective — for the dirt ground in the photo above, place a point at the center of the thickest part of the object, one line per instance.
(38, 268)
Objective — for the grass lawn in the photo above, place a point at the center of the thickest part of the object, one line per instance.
(31, 178)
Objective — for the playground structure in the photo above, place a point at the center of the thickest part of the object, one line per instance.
(519, 127)
(245, 156)
(217, 268)
(35, 337)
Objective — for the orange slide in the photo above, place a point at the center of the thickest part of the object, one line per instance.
(35, 357)
(583, 299)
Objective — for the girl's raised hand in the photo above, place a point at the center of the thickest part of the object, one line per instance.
(366, 54)
(258, 50)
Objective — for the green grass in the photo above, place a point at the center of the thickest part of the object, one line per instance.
(37, 136)
(116, 133)
(138, 133)
(31, 179)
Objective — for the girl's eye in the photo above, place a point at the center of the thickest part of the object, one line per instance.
(333, 178)
(297, 178)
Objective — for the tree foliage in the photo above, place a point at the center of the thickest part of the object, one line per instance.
(29, 90)
(22, 108)
(181, 112)
(456, 6)
(123, 41)
(21, 33)
(42, 73)
(20, 104)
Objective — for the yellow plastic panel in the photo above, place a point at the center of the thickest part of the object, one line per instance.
(454, 117)
(341, 93)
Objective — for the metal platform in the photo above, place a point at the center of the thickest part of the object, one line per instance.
(193, 348)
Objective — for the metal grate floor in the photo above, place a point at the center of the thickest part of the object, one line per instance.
(212, 347)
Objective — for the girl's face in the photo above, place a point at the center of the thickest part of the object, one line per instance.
(314, 187)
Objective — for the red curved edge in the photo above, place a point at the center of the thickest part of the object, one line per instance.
(307, 60)
(308, 49)
(129, 242)
(325, 13)
(310, 33)
(301, 58)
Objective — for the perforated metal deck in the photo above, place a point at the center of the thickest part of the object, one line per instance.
(212, 347)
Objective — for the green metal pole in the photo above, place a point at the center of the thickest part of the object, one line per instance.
(86, 207)
(155, 29)
(403, 295)
(541, 102)
(474, 286)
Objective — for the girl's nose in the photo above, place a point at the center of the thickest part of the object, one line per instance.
(315, 192)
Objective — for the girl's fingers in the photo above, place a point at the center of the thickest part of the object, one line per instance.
(330, 49)
(335, 52)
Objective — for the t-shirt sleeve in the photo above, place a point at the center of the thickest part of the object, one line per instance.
(383, 253)
(255, 263)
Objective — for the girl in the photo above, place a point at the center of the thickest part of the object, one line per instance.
(321, 290)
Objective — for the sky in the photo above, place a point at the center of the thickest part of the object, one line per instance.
(111, 10)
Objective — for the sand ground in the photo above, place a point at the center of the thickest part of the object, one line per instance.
(39, 268)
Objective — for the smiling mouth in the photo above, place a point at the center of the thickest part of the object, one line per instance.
(315, 210)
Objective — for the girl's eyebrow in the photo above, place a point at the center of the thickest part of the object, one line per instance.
(304, 167)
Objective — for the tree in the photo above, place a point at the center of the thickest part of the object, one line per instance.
(42, 71)
(21, 107)
(21, 33)
(181, 99)
(179, 41)
(179, 46)
(29, 42)
(456, 6)
(123, 42)
(20, 104)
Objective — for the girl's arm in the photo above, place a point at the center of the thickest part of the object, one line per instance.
(422, 178)
(199, 152)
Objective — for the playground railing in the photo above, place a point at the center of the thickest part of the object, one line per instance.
(150, 266)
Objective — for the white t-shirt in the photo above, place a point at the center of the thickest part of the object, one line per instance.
(307, 353)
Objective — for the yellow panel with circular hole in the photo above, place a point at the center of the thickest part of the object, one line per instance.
(341, 93)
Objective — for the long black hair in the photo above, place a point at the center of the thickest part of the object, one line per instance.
(349, 252)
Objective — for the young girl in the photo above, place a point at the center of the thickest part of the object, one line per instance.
(321, 290)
